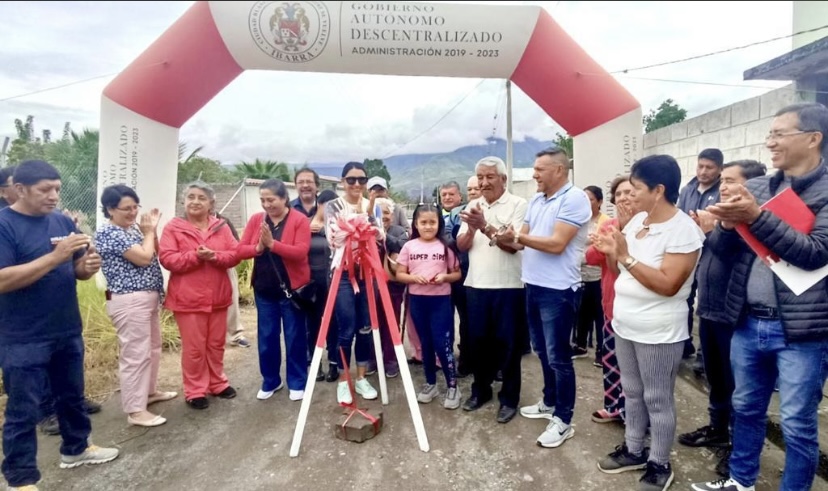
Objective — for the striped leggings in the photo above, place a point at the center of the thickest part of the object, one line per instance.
(648, 375)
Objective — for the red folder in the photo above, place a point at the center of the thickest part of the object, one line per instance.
(788, 206)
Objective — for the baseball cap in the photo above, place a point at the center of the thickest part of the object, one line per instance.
(377, 181)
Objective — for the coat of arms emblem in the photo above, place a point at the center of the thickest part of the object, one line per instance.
(293, 32)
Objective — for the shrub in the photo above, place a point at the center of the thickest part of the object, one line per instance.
(245, 272)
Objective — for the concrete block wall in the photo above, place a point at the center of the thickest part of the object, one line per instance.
(234, 211)
(737, 130)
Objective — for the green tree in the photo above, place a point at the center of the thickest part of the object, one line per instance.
(75, 156)
(195, 167)
(668, 113)
(27, 146)
(376, 167)
(565, 142)
(263, 169)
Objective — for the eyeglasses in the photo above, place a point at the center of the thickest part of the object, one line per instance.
(776, 136)
(353, 180)
(129, 208)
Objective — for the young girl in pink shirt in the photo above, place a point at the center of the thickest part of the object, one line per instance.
(428, 265)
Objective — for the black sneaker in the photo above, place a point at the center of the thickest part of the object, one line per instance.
(725, 484)
(706, 436)
(92, 407)
(227, 393)
(723, 466)
(49, 425)
(578, 352)
(198, 403)
(621, 460)
(656, 477)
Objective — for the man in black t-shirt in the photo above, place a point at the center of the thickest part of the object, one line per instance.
(42, 254)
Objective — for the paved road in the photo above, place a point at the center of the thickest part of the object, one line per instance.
(243, 444)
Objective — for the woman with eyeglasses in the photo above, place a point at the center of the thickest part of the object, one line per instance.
(197, 249)
(351, 308)
(128, 245)
(657, 252)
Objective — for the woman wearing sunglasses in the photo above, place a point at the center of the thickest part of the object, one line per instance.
(351, 308)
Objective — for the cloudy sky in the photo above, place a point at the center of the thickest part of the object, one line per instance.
(57, 57)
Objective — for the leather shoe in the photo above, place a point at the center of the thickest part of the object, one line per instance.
(475, 402)
(505, 414)
(333, 374)
(320, 375)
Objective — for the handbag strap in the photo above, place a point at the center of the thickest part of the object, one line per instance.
(269, 254)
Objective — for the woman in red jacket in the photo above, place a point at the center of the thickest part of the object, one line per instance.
(197, 250)
(280, 239)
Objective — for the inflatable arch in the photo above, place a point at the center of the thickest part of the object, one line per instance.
(143, 108)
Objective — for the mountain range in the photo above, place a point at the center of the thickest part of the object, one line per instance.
(410, 171)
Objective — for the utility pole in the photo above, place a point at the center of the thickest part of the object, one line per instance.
(509, 134)
(3, 152)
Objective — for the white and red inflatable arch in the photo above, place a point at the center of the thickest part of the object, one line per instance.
(213, 42)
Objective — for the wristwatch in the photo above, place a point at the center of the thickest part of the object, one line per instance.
(629, 262)
(517, 237)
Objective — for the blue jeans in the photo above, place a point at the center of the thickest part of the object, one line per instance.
(272, 313)
(433, 318)
(759, 352)
(351, 317)
(26, 368)
(551, 314)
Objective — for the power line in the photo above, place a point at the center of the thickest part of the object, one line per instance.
(63, 86)
(701, 82)
(696, 57)
(444, 116)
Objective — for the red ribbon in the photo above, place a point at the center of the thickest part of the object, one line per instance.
(352, 406)
(359, 238)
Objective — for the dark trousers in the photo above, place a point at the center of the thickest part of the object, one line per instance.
(460, 302)
(715, 343)
(321, 278)
(389, 357)
(590, 316)
(691, 310)
(433, 318)
(550, 314)
(496, 340)
(26, 369)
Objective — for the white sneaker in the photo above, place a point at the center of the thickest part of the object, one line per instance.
(721, 485)
(427, 393)
(555, 434)
(92, 455)
(296, 395)
(343, 393)
(538, 411)
(452, 400)
(264, 395)
(363, 387)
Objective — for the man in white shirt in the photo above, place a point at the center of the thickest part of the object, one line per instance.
(494, 290)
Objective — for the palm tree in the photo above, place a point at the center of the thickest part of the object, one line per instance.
(263, 169)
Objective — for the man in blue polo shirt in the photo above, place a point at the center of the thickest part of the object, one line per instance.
(553, 237)
(42, 254)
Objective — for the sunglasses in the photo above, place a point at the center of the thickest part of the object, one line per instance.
(353, 180)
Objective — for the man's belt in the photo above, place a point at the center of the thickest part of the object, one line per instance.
(763, 312)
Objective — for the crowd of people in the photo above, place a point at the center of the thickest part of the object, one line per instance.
(554, 273)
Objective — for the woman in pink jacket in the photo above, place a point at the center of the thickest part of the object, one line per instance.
(197, 250)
